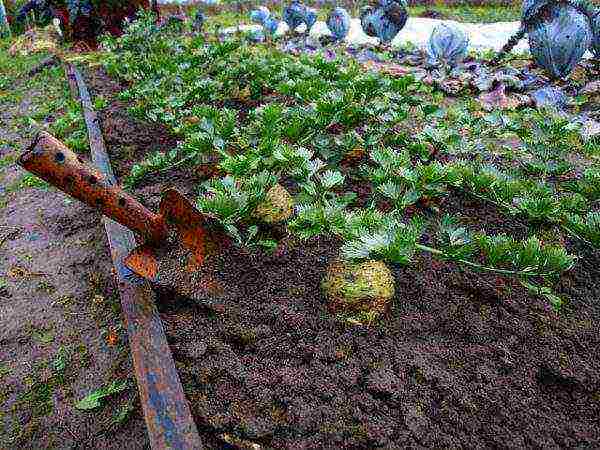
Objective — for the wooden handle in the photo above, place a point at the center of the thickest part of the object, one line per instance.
(51, 160)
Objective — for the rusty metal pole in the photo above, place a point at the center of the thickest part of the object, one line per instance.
(168, 418)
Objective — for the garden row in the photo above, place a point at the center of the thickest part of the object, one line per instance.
(324, 147)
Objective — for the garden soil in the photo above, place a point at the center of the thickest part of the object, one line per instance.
(462, 360)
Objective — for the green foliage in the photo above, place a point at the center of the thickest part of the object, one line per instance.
(320, 209)
(93, 400)
(312, 220)
(395, 242)
(454, 240)
(31, 181)
(529, 257)
(123, 414)
(59, 364)
(539, 206)
(464, 12)
(230, 200)
(538, 202)
(587, 227)
(405, 183)
(489, 182)
(70, 127)
(319, 127)
(588, 185)
(156, 162)
(544, 291)
(543, 130)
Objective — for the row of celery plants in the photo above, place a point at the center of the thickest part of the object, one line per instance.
(268, 119)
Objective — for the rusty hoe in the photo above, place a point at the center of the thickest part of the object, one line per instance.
(51, 160)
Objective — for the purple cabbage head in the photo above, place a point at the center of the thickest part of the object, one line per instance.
(260, 14)
(596, 33)
(395, 11)
(270, 25)
(294, 14)
(532, 9)
(310, 18)
(338, 23)
(376, 23)
(559, 38)
(447, 44)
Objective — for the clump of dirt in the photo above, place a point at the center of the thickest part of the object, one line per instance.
(461, 359)
(433, 14)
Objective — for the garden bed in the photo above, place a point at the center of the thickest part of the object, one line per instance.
(460, 359)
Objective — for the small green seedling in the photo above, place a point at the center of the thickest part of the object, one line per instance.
(93, 400)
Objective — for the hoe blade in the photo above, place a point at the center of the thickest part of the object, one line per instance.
(179, 263)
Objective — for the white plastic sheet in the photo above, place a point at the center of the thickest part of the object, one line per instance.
(482, 36)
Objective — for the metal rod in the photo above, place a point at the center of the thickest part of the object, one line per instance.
(70, 75)
(166, 410)
(4, 26)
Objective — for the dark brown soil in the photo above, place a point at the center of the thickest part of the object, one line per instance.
(432, 14)
(462, 360)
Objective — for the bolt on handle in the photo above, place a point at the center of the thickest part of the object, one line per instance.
(51, 160)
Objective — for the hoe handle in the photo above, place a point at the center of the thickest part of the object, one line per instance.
(51, 160)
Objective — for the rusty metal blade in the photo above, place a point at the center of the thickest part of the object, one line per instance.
(185, 262)
(173, 266)
(179, 263)
(183, 252)
(190, 224)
